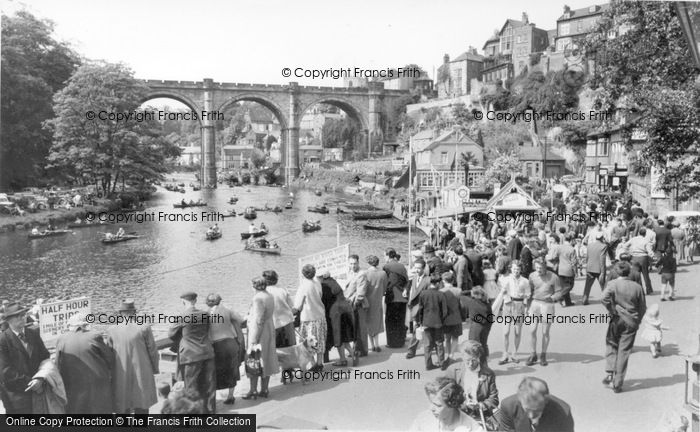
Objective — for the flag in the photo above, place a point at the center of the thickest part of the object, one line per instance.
(454, 163)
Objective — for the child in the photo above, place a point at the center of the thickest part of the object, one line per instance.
(490, 285)
(652, 329)
(667, 269)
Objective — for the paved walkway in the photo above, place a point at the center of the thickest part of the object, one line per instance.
(653, 389)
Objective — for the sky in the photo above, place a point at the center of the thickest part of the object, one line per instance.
(246, 41)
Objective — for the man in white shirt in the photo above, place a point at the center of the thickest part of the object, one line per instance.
(516, 291)
(356, 292)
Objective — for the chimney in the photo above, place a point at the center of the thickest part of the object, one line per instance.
(567, 9)
(525, 20)
(446, 58)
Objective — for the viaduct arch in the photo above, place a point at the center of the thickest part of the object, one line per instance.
(288, 103)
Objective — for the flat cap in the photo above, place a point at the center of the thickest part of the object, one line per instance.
(189, 296)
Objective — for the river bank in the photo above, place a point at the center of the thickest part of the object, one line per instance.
(59, 216)
(369, 188)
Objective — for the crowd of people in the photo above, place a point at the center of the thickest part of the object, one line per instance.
(468, 271)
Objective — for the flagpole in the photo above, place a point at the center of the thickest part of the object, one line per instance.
(410, 195)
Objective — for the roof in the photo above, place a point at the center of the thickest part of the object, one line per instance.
(493, 38)
(310, 147)
(513, 23)
(512, 197)
(466, 56)
(584, 12)
(452, 137)
(537, 154)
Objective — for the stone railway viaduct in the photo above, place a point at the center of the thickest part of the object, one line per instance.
(288, 103)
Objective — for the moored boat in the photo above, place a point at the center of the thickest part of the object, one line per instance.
(230, 213)
(233, 200)
(386, 227)
(318, 192)
(197, 204)
(254, 235)
(317, 209)
(288, 205)
(48, 233)
(372, 215)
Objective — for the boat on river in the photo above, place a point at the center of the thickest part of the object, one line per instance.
(125, 237)
(250, 213)
(386, 227)
(289, 204)
(268, 250)
(245, 236)
(49, 233)
(213, 235)
(318, 192)
(233, 200)
(372, 215)
(190, 204)
(308, 227)
(276, 209)
(229, 213)
(317, 209)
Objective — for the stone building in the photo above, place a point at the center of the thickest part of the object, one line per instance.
(454, 76)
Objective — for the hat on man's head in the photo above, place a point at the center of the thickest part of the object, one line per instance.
(14, 309)
(469, 243)
(127, 306)
(189, 296)
(428, 249)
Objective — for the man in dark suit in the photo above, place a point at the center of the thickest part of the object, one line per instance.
(475, 258)
(596, 264)
(526, 258)
(664, 240)
(626, 302)
(534, 409)
(21, 353)
(419, 282)
(462, 271)
(432, 311)
(515, 246)
(195, 352)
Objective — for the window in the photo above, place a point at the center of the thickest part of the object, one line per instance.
(564, 29)
(579, 26)
(443, 158)
(590, 148)
(602, 147)
(528, 169)
(520, 39)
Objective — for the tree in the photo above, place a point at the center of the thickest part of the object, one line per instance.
(646, 70)
(501, 169)
(340, 133)
(34, 67)
(465, 159)
(258, 159)
(501, 137)
(105, 151)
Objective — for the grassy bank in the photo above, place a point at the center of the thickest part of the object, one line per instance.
(60, 217)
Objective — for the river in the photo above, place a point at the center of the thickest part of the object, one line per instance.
(173, 257)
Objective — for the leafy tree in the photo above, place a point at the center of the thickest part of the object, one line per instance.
(501, 137)
(647, 69)
(340, 133)
(106, 152)
(501, 169)
(499, 97)
(34, 67)
(258, 159)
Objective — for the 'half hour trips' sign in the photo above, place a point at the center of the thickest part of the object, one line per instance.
(53, 317)
(334, 261)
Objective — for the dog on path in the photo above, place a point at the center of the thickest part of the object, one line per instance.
(300, 356)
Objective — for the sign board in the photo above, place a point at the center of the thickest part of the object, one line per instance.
(514, 200)
(463, 193)
(656, 192)
(335, 261)
(53, 317)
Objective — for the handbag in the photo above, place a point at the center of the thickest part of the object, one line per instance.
(253, 366)
(419, 333)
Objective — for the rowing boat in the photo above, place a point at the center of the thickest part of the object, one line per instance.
(386, 227)
(213, 235)
(48, 233)
(198, 204)
(275, 251)
(254, 235)
(230, 213)
(310, 227)
(123, 238)
(372, 215)
(322, 209)
(250, 213)
(288, 205)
